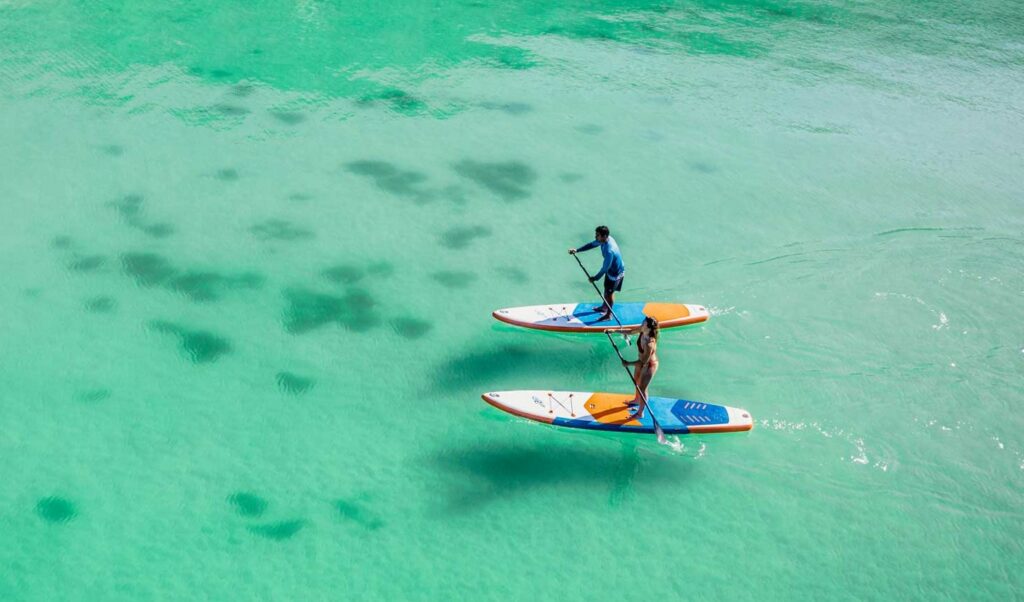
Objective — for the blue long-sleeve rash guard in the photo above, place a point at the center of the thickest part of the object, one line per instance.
(613, 266)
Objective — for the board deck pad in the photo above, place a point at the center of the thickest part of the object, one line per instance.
(609, 412)
(583, 317)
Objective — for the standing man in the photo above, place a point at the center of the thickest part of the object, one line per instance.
(613, 269)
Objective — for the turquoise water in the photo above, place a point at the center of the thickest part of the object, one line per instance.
(250, 250)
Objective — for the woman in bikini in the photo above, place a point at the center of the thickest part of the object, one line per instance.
(646, 362)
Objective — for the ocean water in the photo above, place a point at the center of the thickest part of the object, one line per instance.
(249, 252)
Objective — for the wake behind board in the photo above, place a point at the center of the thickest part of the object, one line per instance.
(583, 317)
(609, 412)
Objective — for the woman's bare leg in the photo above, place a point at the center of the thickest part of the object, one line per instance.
(646, 378)
(644, 381)
(637, 377)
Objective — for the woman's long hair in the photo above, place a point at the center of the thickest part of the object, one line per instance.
(653, 327)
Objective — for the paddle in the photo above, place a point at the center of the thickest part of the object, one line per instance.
(657, 427)
(600, 294)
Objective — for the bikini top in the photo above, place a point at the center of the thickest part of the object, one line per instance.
(641, 343)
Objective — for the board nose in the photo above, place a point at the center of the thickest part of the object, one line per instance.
(742, 419)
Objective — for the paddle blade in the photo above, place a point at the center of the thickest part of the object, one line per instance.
(660, 434)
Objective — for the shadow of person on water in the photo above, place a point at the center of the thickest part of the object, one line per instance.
(481, 476)
(519, 366)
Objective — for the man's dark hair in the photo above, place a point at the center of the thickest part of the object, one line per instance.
(601, 231)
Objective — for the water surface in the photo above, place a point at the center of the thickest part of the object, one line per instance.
(249, 253)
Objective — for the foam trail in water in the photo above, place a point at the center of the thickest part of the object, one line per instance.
(673, 444)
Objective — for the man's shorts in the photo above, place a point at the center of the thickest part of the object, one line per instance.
(612, 286)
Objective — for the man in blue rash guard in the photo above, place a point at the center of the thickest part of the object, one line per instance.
(613, 269)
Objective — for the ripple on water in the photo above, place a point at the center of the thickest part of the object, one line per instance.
(344, 273)
(279, 229)
(411, 328)
(392, 179)
(288, 117)
(87, 263)
(130, 207)
(62, 242)
(207, 286)
(589, 128)
(199, 346)
(93, 395)
(56, 510)
(101, 304)
(147, 269)
(278, 531)
(454, 279)
(309, 310)
(461, 237)
(512, 108)
(507, 57)
(294, 384)
(395, 99)
(513, 274)
(509, 180)
(227, 175)
(380, 269)
(231, 110)
(158, 229)
(151, 270)
(353, 511)
(702, 167)
(248, 504)
(349, 273)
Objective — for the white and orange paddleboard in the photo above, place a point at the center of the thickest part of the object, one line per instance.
(583, 317)
(610, 412)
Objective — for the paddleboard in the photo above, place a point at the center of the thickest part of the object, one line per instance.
(583, 317)
(609, 412)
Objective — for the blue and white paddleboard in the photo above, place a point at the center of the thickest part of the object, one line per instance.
(583, 317)
(609, 412)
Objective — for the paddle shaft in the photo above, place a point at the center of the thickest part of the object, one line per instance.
(599, 293)
(657, 427)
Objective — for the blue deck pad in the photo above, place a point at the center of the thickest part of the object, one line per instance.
(674, 416)
(696, 412)
(630, 314)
